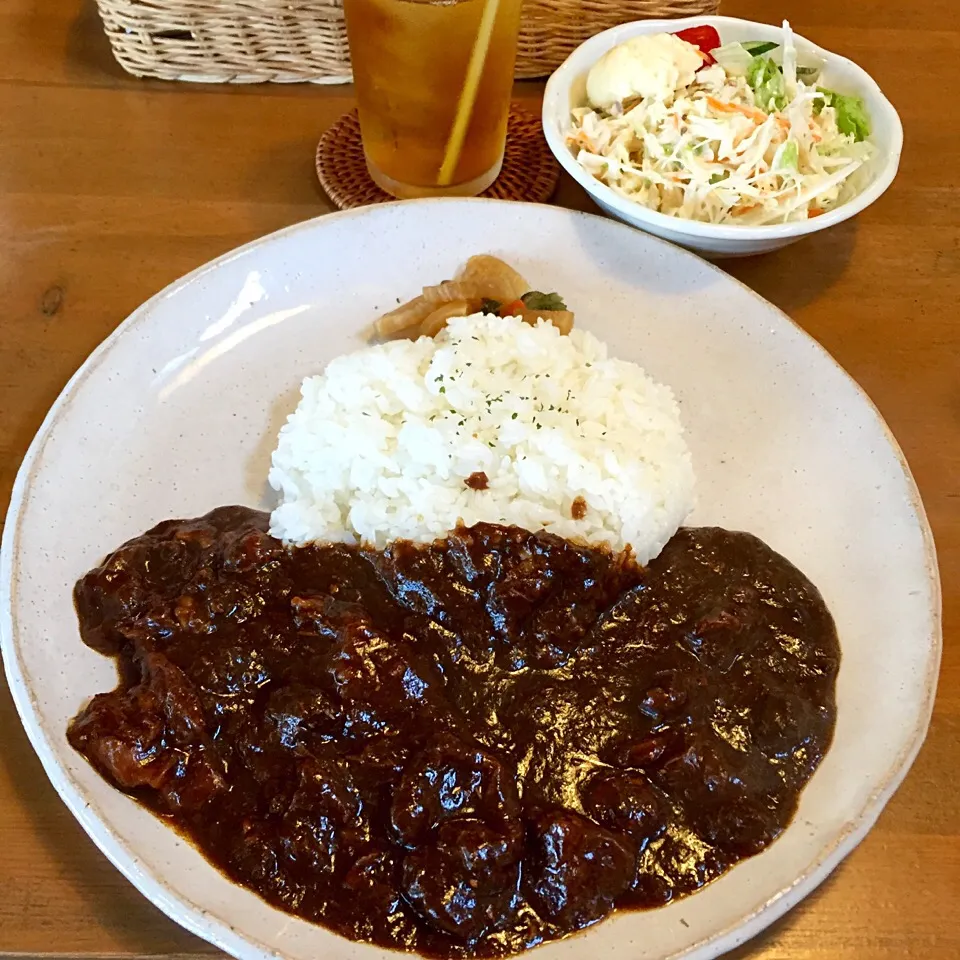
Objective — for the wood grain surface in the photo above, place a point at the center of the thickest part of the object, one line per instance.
(110, 188)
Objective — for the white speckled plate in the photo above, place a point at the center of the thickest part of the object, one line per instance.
(176, 413)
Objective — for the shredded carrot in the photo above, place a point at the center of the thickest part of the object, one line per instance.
(741, 209)
(580, 139)
(513, 309)
(814, 212)
(758, 116)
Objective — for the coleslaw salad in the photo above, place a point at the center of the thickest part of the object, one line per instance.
(751, 140)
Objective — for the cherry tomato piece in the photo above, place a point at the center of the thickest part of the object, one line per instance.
(704, 38)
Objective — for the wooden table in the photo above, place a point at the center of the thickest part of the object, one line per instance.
(110, 188)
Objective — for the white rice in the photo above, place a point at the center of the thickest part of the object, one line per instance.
(381, 443)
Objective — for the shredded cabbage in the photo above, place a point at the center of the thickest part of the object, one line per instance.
(748, 141)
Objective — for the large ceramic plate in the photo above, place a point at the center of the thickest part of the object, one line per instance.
(177, 411)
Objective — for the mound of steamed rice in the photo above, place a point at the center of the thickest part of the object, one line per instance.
(381, 444)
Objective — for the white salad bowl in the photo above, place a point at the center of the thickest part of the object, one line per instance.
(566, 89)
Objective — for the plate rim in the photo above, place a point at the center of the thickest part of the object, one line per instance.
(194, 917)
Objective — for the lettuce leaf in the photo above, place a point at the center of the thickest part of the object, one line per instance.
(787, 156)
(852, 117)
(769, 89)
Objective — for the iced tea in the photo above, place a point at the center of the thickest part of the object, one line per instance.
(411, 61)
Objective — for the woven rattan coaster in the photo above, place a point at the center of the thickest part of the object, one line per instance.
(529, 172)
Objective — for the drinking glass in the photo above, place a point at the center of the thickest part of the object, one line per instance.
(433, 80)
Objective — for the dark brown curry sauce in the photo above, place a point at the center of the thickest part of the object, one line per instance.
(463, 749)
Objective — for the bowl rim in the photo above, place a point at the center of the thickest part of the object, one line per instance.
(638, 215)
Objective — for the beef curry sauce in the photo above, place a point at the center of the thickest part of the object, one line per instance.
(462, 749)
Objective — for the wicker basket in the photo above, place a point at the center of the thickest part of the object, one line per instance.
(286, 41)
